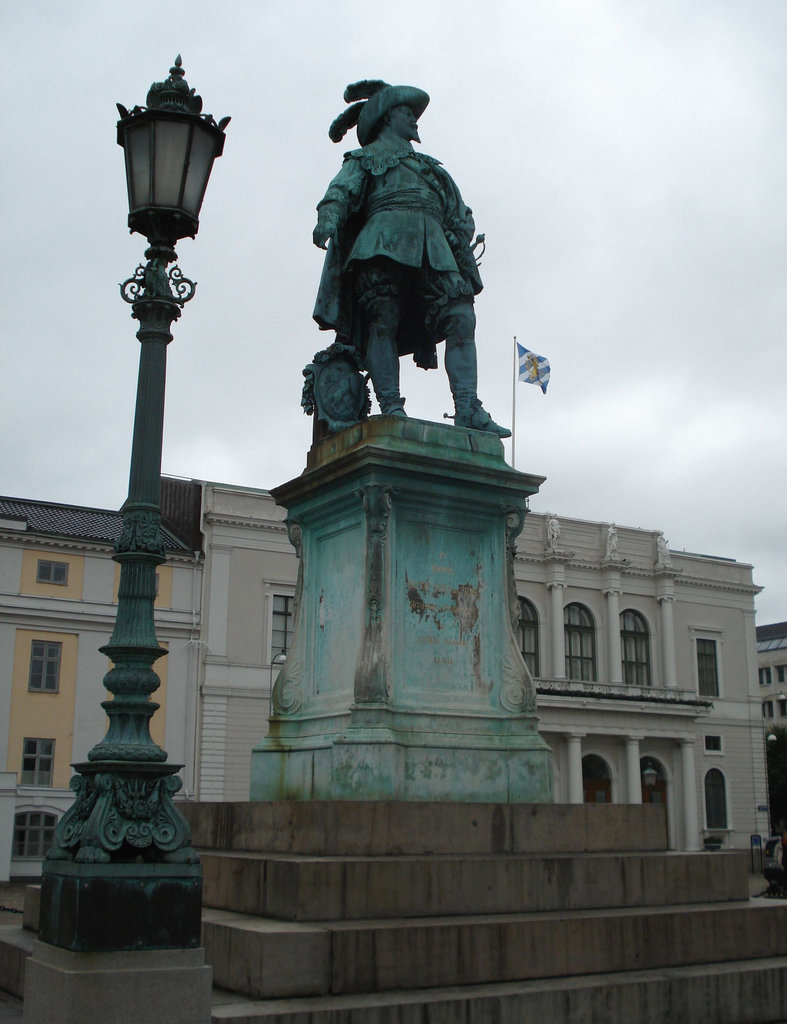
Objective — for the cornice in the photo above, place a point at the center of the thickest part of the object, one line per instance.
(621, 692)
(725, 585)
(601, 566)
(23, 539)
(246, 523)
(36, 540)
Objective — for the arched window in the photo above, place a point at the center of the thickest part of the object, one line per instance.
(34, 833)
(634, 649)
(527, 635)
(580, 636)
(715, 799)
(596, 780)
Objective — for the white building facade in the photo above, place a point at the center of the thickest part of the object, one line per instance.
(645, 660)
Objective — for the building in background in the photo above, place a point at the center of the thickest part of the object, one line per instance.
(772, 672)
(645, 659)
(58, 601)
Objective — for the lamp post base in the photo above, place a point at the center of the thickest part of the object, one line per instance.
(62, 987)
(100, 908)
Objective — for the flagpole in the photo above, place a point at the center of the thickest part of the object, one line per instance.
(513, 411)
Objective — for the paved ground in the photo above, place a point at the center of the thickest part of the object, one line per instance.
(10, 1008)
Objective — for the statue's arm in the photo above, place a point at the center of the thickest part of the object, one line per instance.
(342, 198)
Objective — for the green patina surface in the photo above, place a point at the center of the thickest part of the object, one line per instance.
(404, 679)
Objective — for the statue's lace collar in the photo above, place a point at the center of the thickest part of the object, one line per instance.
(382, 154)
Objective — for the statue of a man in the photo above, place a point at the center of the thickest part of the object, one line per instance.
(399, 275)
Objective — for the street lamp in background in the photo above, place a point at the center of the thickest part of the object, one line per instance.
(121, 874)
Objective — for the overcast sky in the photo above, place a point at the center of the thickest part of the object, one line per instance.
(626, 160)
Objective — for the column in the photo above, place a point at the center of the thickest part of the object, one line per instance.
(615, 667)
(557, 634)
(690, 818)
(219, 586)
(575, 791)
(667, 640)
(633, 773)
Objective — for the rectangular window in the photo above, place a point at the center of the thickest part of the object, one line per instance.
(45, 666)
(767, 709)
(283, 624)
(781, 673)
(707, 668)
(52, 572)
(765, 677)
(38, 759)
(713, 744)
(782, 707)
(34, 833)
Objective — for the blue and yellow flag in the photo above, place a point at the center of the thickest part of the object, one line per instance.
(533, 369)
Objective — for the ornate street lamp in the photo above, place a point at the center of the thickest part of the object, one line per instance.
(123, 831)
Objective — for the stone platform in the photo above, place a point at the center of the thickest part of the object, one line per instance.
(417, 913)
(397, 913)
(404, 680)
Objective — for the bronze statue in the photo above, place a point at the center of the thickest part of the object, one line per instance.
(399, 274)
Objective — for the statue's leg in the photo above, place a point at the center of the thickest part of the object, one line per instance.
(378, 300)
(461, 364)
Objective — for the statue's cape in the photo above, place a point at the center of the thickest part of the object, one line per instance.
(335, 308)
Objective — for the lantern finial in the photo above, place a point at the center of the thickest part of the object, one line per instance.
(174, 94)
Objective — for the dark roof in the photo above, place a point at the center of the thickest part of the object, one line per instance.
(73, 521)
(772, 631)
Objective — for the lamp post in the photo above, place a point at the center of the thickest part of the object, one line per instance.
(122, 854)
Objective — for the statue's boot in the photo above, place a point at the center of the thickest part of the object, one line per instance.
(462, 369)
(382, 362)
(470, 413)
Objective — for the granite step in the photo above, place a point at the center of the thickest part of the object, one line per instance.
(731, 992)
(389, 828)
(16, 945)
(265, 958)
(299, 888)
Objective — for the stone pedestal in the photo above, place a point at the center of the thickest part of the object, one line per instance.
(404, 680)
(62, 987)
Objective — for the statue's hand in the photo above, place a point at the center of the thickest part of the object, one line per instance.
(323, 231)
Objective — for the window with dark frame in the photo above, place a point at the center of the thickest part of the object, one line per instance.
(634, 649)
(34, 833)
(767, 709)
(45, 666)
(38, 760)
(707, 668)
(765, 677)
(52, 572)
(580, 636)
(713, 744)
(715, 799)
(527, 635)
(283, 624)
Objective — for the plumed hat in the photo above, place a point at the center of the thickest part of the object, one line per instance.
(371, 100)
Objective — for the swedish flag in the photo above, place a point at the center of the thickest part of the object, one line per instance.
(533, 369)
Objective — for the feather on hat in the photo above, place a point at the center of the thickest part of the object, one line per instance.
(371, 100)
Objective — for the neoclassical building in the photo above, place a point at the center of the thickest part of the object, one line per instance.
(644, 659)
